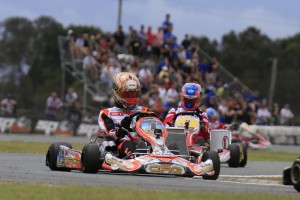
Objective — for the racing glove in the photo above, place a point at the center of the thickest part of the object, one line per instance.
(120, 133)
(125, 123)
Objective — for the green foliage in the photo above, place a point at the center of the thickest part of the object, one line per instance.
(79, 30)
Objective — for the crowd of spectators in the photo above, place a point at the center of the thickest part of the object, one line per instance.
(163, 65)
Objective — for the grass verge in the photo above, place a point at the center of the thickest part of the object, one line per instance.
(30, 147)
(265, 155)
(56, 192)
(42, 147)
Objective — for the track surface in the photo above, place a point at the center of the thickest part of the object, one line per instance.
(31, 168)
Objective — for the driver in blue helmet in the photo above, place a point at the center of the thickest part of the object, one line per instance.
(190, 102)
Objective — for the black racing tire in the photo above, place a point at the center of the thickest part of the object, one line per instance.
(51, 156)
(243, 163)
(235, 140)
(234, 160)
(216, 163)
(295, 174)
(90, 158)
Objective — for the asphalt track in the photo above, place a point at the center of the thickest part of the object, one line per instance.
(30, 168)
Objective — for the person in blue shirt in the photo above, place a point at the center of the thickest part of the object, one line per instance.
(167, 25)
(175, 48)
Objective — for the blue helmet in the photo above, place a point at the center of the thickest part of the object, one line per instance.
(190, 96)
(211, 113)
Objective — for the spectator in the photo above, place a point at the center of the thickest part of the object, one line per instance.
(135, 45)
(157, 42)
(149, 41)
(8, 106)
(90, 66)
(71, 99)
(166, 48)
(263, 116)
(167, 26)
(186, 42)
(120, 39)
(175, 48)
(143, 39)
(53, 104)
(286, 115)
(275, 114)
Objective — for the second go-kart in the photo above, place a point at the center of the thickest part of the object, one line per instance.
(152, 155)
(235, 154)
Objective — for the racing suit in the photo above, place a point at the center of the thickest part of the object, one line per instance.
(204, 127)
(108, 120)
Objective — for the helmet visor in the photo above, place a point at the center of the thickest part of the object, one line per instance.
(130, 94)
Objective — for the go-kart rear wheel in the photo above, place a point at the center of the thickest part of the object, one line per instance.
(243, 163)
(295, 174)
(234, 160)
(51, 156)
(216, 164)
(90, 158)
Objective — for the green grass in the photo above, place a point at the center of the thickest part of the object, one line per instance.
(56, 192)
(42, 147)
(266, 155)
(30, 147)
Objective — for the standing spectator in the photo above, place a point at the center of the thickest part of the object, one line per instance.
(120, 39)
(150, 39)
(53, 104)
(8, 106)
(157, 42)
(71, 101)
(167, 26)
(90, 66)
(143, 39)
(166, 48)
(286, 115)
(275, 114)
(175, 48)
(135, 45)
(186, 42)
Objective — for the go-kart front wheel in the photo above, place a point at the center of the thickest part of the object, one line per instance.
(216, 164)
(243, 163)
(90, 158)
(295, 175)
(234, 160)
(51, 156)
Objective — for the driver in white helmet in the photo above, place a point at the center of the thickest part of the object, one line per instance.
(126, 93)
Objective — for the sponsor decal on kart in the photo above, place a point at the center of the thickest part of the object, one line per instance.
(202, 168)
(225, 142)
(116, 163)
(165, 169)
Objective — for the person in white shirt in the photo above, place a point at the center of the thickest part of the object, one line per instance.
(263, 116)
(286, 115)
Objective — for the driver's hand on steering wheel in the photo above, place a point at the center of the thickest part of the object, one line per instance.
(125, 123)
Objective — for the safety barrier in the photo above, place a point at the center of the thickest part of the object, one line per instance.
(276, 134)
